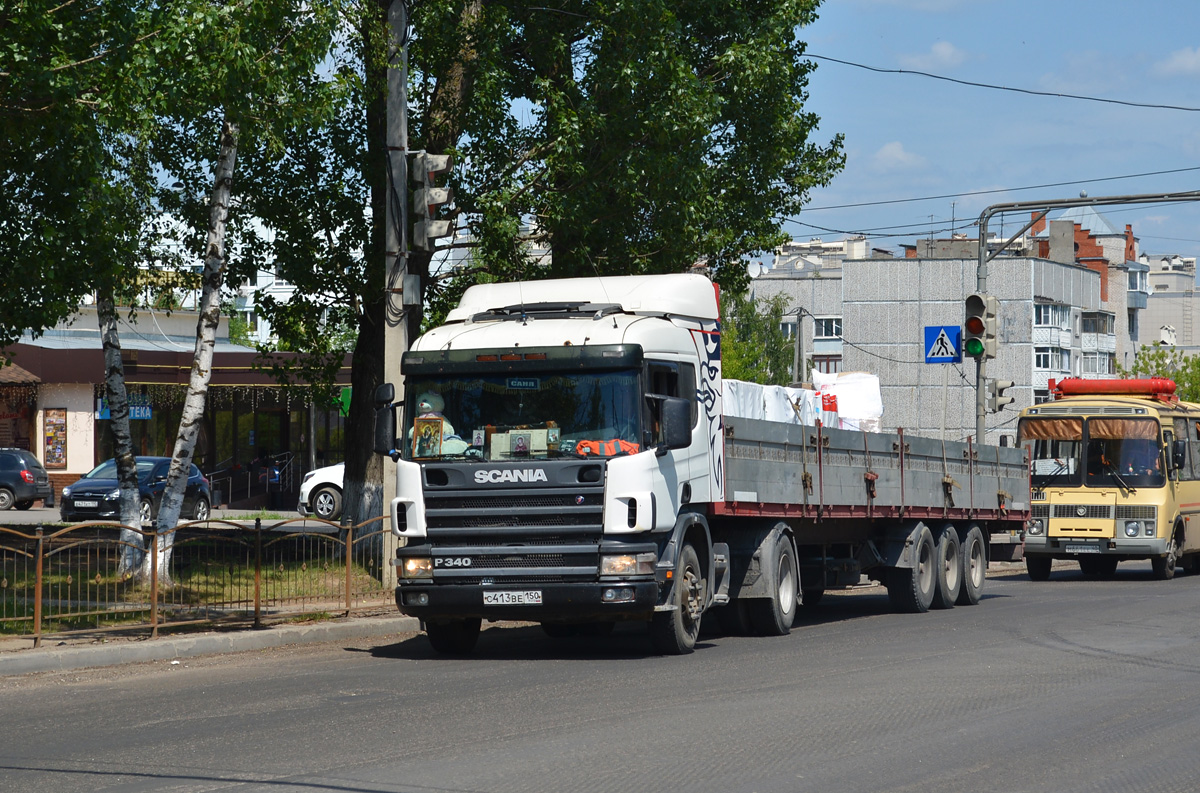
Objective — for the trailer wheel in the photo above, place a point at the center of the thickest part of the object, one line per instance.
(973, 556)
(674, 632)
(949, 569)
(772, 616)
(1038, 567)
(911, 589)
(453, 637)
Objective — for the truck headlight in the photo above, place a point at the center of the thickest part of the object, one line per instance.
(416, 567)
(1036, 526)
(627, 564)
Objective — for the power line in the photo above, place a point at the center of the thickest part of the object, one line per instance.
(1029, 91)
(999, 190)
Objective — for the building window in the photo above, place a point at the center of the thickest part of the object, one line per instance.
(828, 364)
(788, 329)
(827, 327)
(1052, 358)
(1099, 363)
(1051, 315)
(1040, 395)
(1102, 323)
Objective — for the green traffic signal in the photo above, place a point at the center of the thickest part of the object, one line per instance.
(973, 347)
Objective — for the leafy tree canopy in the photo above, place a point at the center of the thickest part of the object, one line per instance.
(1171, 363)
(753, 344)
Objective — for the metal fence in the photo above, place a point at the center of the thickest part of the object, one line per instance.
(99, 576)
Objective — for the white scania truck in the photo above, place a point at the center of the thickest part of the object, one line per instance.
(563, 458)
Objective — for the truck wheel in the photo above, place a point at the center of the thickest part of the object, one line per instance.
(1038, 567)
(973, 556)
(772, 616)
(949, 569)
(453, 637)
(1164, 566)
(911, 589)
(674, 632)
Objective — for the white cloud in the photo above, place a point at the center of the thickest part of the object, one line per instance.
(1180, 62)
(892, 156)
(942, 55)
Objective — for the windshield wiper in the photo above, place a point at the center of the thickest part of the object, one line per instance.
(1112, 469)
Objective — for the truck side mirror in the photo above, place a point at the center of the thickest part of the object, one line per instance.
(1178, 454)
(384, 394)
(676, 423)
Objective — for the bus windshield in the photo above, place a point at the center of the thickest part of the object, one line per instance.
(529, 416)
(1096, 452)
(1124, 453)
(1055, 447)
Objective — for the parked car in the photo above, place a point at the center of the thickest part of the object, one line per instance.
(321, 493)
(23, 480)
(97, 495)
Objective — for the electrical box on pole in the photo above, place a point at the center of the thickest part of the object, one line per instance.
(428, 198)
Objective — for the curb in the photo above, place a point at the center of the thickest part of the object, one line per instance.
(23, 662)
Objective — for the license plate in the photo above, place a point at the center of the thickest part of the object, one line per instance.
(87, 503)
(1076, 548)
(529, 597)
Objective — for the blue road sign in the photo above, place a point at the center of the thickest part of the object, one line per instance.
(943, 344)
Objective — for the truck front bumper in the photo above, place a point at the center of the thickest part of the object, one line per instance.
(560, 602)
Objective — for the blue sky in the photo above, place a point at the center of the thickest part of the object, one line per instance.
(909, 136)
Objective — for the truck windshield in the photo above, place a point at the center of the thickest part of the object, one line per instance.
(512, 417)
(1125, 453)
(1055, 450)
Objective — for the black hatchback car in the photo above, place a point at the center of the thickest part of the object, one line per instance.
(23, 480)
(97, 495)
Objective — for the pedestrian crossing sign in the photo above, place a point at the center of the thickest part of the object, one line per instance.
(943, 344)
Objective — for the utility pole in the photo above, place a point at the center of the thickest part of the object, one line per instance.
(1048, 206)
(398, 284)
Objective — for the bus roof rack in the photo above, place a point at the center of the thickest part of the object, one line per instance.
(1160, 388)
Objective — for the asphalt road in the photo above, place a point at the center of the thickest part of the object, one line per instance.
(1066, 685)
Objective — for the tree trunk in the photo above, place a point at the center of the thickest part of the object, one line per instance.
(118, 413)
(206, 336)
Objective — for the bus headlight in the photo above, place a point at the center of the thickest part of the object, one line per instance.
(627, 564)
(1132, 528)
(416, 567)
(1036, 527)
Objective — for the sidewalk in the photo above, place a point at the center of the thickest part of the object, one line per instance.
(61, 654)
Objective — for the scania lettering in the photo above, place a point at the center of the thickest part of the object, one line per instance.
(522, 475)
(569, 439)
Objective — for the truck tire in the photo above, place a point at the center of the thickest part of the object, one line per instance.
(772, 616)
(911, 589)
(973, 555)
(674, 632)
(1038, 567)
(453, 637)
(1164, 566)
(949, 569)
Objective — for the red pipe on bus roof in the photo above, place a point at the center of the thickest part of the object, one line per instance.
(1153, 387)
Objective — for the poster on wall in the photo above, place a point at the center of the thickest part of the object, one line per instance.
(56, 438)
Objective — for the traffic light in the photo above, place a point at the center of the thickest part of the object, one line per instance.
(979, 325)
(428, 198)
(996, 399)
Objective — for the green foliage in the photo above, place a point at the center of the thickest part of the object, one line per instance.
(624, 136)
(1171, 363)
(753, 344)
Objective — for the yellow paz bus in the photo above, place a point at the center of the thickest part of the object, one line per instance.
(1114, 475)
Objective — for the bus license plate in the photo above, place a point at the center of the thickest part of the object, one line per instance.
(1083, 548)
(529, 597)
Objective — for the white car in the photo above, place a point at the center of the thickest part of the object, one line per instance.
(321, 493)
